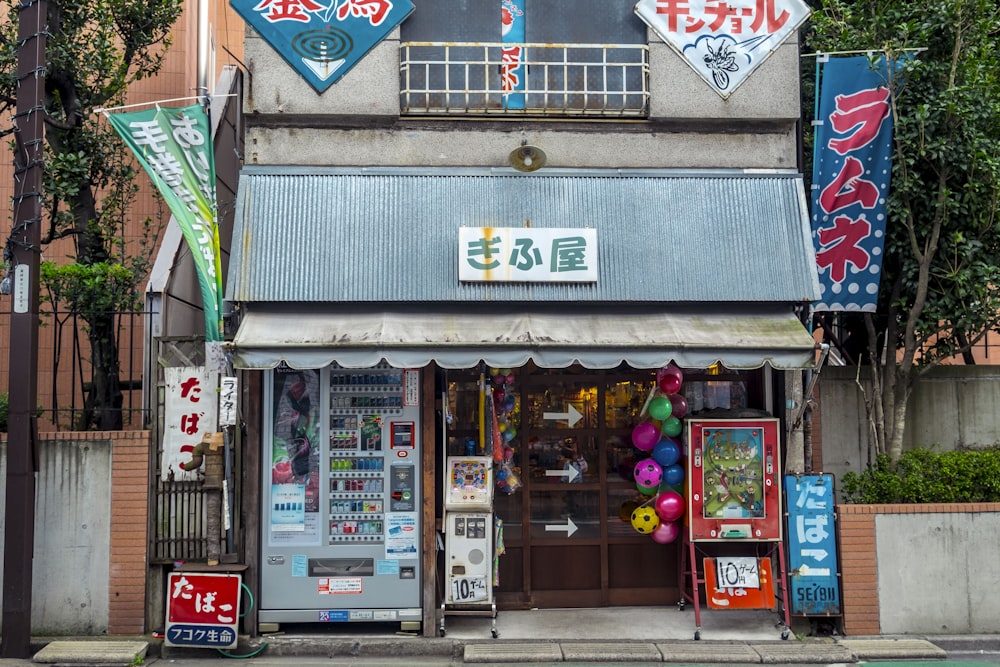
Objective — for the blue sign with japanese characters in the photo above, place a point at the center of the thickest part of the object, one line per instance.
(812, 546)
(323, 39)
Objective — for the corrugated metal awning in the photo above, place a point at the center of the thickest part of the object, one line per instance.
(390, 235)
(737, 336)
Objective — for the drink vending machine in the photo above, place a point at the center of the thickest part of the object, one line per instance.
(341, 498)
(469, 535)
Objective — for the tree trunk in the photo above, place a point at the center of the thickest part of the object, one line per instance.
(103, 404)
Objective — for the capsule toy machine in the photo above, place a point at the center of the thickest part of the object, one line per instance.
(469, 536)
(341, 497)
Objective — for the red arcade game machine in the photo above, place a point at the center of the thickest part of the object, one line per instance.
(734, 517)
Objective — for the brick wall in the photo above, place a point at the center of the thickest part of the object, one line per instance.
(858, 568)
(129, 522)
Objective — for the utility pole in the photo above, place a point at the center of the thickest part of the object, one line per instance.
(23, 252)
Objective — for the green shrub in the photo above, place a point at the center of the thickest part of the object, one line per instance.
(923, 476)
(3, 412)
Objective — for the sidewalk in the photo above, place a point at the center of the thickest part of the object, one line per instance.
(645, 636)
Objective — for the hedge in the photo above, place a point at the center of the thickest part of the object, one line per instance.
(923, 476)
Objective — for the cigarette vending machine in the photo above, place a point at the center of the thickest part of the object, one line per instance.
(341, 497)
(469, 528)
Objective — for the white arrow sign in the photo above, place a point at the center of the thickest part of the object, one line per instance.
(818, 554)
(570, 527)
(571, 474)
(572, 416)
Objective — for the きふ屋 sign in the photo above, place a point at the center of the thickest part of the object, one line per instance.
(504, 254)
(323, 39)
(203, 610)
(724, 41)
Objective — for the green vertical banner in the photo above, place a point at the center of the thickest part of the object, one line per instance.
(174, 146)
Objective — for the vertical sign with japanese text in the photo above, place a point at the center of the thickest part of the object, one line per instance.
(812, 546)
(851, 168)
(323, 39)
(513, 71)
(527, 255)
(724, 41)
(203, 610)
(175, 148)
(190, 411)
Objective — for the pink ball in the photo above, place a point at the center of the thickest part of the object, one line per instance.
(666, 532)
(670, 505)
(648, 473)
(645, 435)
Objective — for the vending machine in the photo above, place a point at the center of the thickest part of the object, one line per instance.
(469, 534)
(340, 511)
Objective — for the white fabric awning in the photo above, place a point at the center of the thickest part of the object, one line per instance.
(454, 337)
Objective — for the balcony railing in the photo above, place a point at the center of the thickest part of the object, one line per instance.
(568, 80)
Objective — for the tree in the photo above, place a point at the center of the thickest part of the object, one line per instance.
(95, 50)
(940, 289)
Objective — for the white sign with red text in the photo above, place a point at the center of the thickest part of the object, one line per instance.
(203, 609)
(723, 40)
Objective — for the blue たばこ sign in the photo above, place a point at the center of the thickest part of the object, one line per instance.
(323, 39)
(812, 546)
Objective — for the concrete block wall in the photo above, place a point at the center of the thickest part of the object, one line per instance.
(918, 569)
(91, 509)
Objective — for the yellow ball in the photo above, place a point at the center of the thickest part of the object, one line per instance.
(645, 520)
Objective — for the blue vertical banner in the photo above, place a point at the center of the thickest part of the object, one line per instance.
(513, 71)
(852, 163)
(812, 546)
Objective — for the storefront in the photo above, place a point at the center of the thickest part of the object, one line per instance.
(350, 289)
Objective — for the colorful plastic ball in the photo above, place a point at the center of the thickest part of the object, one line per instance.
(509, 403)
(645, 435)
(669, 379)
(501, 475)
(659, 408)
(648, 473)
(678, 406)
(672, 427)
(673, 475)
(666, 532)
(666, 452)
(647, 490)
(669, 505)
(644, 520)
(508, 453)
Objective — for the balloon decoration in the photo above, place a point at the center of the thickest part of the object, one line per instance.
(504, 411)
(659, 471)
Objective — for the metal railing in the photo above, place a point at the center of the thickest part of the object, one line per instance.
(569, 80)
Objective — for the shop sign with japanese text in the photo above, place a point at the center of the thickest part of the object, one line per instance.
(724, 41)
(510, 254)
(203, 609)
(812, 546)
(190, 407)
(323, 39)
